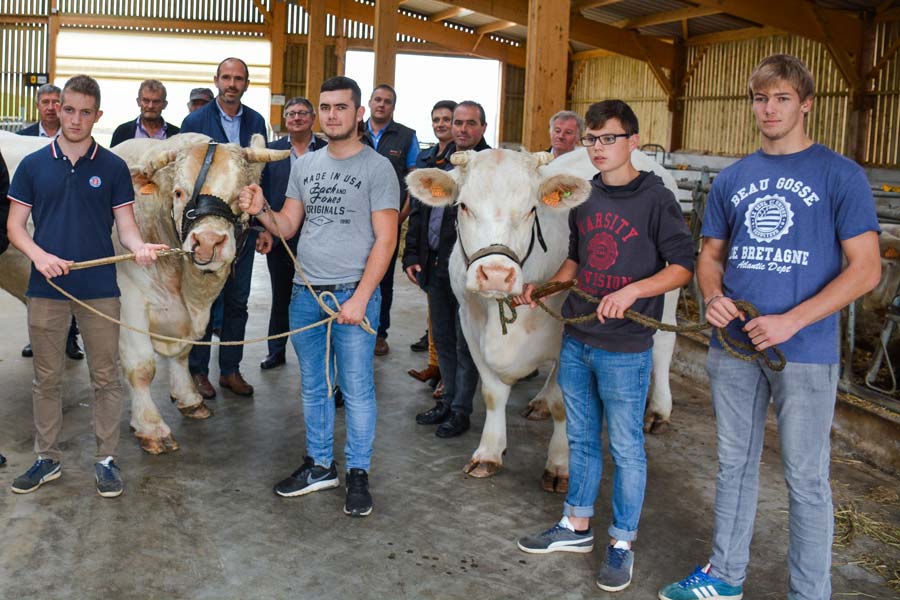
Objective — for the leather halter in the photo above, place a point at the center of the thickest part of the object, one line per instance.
(201, 206)
(502, 249)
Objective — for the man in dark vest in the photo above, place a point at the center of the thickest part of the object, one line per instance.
(151, 99)
(399, 145)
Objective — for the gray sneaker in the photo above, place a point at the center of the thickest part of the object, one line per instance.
(42, 471)
(559, 538)
(109, 479)
(615, 574)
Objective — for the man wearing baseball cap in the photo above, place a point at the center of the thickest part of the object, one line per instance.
(199, 97)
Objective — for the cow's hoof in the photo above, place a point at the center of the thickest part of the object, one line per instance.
(552, 482)
(655, 425)
(170, 443)
(481, 468)
(196, 411)
(151, 445)
(537, 410)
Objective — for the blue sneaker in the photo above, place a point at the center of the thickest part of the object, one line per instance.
(559, 538)
(700, 584)
(42, 471)
(615, 574)
(109, 479)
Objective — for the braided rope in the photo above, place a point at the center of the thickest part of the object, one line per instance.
(734, 347)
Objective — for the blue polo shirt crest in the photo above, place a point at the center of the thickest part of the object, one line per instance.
(72, 209)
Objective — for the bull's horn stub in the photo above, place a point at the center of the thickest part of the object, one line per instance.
(158, 161)
(542, 158)
(265, 155)
(459, 158)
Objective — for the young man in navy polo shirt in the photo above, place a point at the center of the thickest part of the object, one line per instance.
(74, 190)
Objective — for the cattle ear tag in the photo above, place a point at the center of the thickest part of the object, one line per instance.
(436, 190)
(148, 188)
(555, 197)
(891, 253)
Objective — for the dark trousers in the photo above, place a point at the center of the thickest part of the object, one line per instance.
(387, 294)
(281, 276)
(234, 321)
(458, 371)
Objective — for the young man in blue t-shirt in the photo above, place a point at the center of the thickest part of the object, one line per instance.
(75, 191)
(778, 224)
(629, 245)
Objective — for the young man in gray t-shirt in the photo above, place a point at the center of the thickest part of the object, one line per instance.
(345, 198)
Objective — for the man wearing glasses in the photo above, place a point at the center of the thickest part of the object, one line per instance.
(299, 116)
(629, 245)
(152, 101)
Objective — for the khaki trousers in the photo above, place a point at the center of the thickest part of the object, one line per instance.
(48, 324)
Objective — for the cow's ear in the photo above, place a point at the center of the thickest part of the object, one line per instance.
(564, 191)
(432, 186)
(142, 181)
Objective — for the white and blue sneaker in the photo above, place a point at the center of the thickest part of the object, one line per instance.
(42, 471)
(559, 538)
(701, 585)
(310, 477)
(109, 478)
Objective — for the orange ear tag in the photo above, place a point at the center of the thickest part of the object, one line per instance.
(148, 189)
(891, 253)
(551, 199)
(437, 191)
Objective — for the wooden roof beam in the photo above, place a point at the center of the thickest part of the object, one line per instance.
(667, 17)
(581, 30)
(451, 12)
(834, 27)
(588, 4)
(492, 27)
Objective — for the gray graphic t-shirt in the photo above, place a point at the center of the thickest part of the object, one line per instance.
(339, 197)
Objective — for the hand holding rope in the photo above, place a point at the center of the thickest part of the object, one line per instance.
(735, 348)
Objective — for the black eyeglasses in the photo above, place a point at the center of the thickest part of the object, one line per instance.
(297, 113)
(607, 139)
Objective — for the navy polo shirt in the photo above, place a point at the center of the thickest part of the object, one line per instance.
(72, 209)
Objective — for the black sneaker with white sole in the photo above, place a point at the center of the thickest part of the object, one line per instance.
(562, 537)
(42, 471)
(308, 478)
(359, 500)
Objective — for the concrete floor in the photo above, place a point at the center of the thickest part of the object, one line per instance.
(204, 523)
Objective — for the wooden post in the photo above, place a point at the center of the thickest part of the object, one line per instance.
(676, 101)
(547, 66)
(52, 35)
(315, 50)
(501, 113)
(277, 26)
(385, 41)
(861, 100)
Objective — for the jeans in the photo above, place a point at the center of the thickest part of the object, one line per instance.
(598, 385)
(803, 396)
(458, 370)
(354, 351)
(234, 319)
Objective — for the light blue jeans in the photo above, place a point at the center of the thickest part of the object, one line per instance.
(803, 396)
(353, 350)
(598, 385)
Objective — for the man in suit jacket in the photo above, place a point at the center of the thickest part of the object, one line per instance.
(299, 116)
(227, 120)
(152, 101)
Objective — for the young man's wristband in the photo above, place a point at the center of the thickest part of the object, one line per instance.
(713, 299)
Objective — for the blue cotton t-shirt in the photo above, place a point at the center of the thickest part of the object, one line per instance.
(784, 217)
(72, 210)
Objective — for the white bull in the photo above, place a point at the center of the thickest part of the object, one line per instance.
(172, 297)
(500, 194)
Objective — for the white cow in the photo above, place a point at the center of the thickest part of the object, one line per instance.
(172, 297)
(501, 194)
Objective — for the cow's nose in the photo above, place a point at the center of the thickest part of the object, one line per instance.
(494, 278)
(206, 245)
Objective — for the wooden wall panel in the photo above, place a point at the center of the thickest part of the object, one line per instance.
(717, 106)
(884, 134)
(627, 79)
(513, 105)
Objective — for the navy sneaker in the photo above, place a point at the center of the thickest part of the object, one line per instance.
(109, 479)
(701, 584)
(615, 574)
(559, 538)
(42, 471)
(359, 500)
(308, 478)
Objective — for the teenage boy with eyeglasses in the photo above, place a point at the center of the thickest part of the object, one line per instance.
(629, 245)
